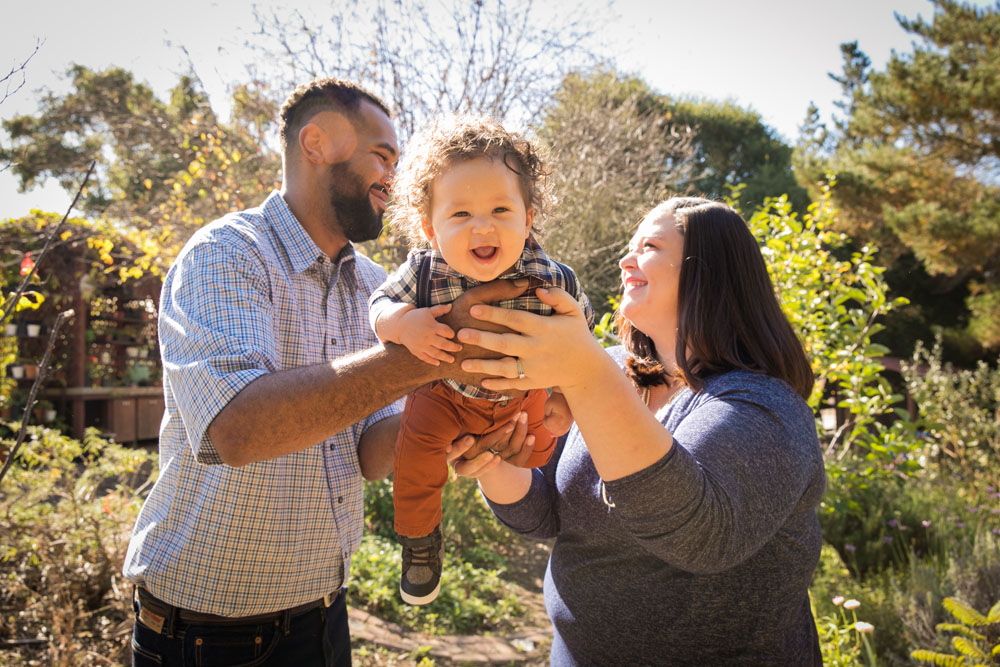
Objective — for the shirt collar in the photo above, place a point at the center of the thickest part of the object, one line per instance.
(533, 262)
(299, 247)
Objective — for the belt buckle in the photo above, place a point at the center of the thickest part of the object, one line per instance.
(328, 600)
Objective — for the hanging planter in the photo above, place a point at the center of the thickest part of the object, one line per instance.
(17, 372)
(34, 330)
(10, 329)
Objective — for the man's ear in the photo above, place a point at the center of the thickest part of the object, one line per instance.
(328, 137)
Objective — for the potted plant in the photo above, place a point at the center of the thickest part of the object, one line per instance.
(10, 329)
(45, 412)
(33, 329)
(16, 372)
(30, 371)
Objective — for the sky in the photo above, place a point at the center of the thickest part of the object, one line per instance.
(770, 56)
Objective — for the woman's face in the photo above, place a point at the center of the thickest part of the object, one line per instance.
(651, 275)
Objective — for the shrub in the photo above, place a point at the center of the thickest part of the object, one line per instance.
(66, 512)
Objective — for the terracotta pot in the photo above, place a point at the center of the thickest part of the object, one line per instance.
(30, 371)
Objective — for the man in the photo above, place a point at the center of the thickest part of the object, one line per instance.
(276, 403)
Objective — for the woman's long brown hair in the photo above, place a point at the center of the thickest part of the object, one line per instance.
(728, 315)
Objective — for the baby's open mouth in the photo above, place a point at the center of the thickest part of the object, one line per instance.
(485, 252)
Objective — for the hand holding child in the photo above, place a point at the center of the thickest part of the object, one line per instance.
(558, 417)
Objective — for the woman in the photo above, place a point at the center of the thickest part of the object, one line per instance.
(683, 502)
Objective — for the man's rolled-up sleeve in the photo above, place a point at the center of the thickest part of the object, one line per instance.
(216, 331)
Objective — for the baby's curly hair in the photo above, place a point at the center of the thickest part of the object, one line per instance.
(454, 139)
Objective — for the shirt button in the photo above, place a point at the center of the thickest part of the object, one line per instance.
(333, 446)
(340, 499)
(333, 341)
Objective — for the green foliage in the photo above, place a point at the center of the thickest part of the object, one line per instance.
(976, 640)
(916, 160)
(735, 147)
(472, 599)
(834, 306)
(474, 593)
(960, 408)
(165, 168)
(842, 643)
(66, 512)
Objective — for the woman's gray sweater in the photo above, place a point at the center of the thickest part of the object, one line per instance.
(707, 555)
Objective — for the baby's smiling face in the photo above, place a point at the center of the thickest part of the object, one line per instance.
(478, 218)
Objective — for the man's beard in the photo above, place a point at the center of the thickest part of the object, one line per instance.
(355, 214)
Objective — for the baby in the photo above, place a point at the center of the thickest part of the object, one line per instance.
(473, 192)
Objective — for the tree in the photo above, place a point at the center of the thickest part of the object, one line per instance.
(488, 56)
(734, 147)
(917, 159)
(166, 167)
(615, 154)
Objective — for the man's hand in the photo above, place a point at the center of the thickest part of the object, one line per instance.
(471, 456)
(458, 318)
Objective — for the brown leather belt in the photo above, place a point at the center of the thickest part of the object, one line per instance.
(154, 612)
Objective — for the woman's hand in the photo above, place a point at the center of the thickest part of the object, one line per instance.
(553, 351)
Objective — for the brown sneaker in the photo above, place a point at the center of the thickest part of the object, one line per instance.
(420, 580)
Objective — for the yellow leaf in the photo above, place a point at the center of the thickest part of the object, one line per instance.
(236, 156)
(148, 183)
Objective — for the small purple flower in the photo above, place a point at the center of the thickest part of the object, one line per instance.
(887, 539)
(973, 510)
(893, 523)
(959, 524)
(850, 547)
(996, 531)
(925, 523)
(990, 489)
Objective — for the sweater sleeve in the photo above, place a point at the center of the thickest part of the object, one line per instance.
(537, 513)
(742, 460)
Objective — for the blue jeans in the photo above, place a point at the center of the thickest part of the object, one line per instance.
(319, 637)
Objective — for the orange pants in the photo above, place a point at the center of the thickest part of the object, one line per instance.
(434, 417)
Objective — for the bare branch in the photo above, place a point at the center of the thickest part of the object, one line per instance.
(16, 77)
(43, 371)
(11, 306)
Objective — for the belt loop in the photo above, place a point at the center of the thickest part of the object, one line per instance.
(171, 621)
(286, 622)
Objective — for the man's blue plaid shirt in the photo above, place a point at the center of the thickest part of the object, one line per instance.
(252, 294)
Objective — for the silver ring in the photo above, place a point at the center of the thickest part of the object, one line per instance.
(493, 451)
(520, 368)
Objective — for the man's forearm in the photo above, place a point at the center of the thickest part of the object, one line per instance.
(290, 410)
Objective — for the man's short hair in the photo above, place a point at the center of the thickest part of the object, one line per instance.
(325, 94)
